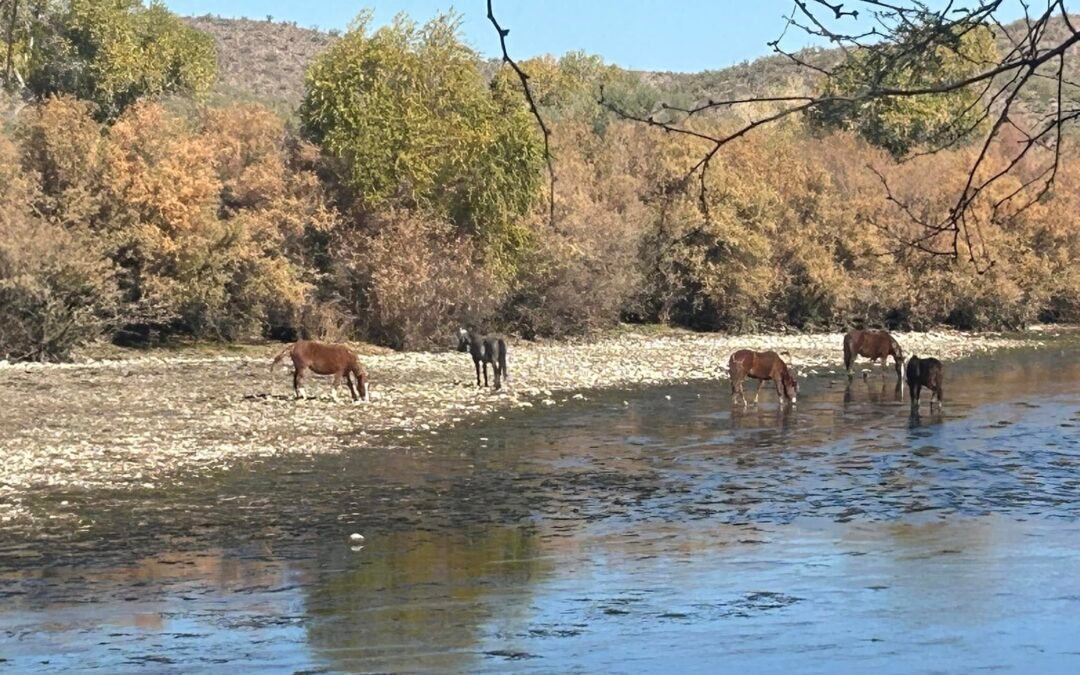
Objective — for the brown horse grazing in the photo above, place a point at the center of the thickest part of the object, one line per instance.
(325, 359)
(874, 345)
(763, 366)
(924, 373)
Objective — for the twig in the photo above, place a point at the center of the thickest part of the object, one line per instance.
(524, 77)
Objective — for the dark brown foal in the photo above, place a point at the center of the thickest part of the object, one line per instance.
(325, 359)
(924, 373)
(763, 366)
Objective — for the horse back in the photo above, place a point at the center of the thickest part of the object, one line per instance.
(758, 365)
(494, 349)
(926, 372)
(322, 358)
(872, 344)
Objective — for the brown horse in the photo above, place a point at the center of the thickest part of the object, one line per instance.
(874, 345)
(325, 359)
(924, 373)
(763, 366)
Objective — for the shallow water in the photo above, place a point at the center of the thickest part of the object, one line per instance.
(627, 532)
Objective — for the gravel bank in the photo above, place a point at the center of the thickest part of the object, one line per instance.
(142, 422)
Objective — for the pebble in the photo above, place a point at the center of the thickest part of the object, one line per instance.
(356, 537)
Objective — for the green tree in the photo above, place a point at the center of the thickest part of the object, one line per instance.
(113, 52)
(407, 116)
(923, 57)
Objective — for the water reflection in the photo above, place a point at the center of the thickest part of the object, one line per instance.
(846, 528)
(885, 391)
(420, 599)
(760, 418)
(916, 418)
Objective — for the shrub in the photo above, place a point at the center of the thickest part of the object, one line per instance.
(410, 281)
(56, 292)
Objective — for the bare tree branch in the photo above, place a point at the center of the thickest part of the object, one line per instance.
(902, 33)
(524, 77)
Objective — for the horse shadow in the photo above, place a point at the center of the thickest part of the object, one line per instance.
(886, 393)
(917, 420)
(756, 417)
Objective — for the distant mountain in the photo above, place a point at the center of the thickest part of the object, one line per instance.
(266, 61)
(263, 60)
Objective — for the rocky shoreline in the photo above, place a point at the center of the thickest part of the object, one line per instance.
(142, 422)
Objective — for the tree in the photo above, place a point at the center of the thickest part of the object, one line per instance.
(56, 289)
(907, 64)
(406, 116)
(902, 124)
(113, 52)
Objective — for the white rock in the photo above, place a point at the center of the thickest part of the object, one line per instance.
(356, 537)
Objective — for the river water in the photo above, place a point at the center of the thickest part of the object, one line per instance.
(654, 530)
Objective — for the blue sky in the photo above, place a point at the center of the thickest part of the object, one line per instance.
(688, 35)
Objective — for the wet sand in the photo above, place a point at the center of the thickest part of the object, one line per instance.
(146, 422)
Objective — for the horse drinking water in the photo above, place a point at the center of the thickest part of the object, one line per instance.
(874, 345)
(325, 359)
(924, 373)
(763, 366)
(485, 350)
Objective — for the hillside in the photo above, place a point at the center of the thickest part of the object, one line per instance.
(262, 60)
(266, 60)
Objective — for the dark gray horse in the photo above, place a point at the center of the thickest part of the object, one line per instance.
(485, 349)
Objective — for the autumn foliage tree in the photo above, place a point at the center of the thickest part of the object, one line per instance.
(411, 199)
(110, 52)
(406, 117)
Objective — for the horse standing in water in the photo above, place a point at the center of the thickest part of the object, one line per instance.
(763, 366)
(874, 345)
(485, 350)
(924, 373)
(325, 359)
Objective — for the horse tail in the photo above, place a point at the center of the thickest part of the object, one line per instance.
(848, 349)
(284, 352)
(502, 360)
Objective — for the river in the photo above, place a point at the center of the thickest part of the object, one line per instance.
(650, 530)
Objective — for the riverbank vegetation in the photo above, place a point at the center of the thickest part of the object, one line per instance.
(406, 194)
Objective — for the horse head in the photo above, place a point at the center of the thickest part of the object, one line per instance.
(790, 384)
(463, 340)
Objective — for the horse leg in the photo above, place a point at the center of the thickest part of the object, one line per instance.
(335, 386)
(779, 392)
(349, 377)
(476, 362)
(485, 374)
(936, 395)
(298, 382)
(761, 383)
(498, 375)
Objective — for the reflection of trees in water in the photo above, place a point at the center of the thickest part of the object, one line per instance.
(420, 599)
(156, 577)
